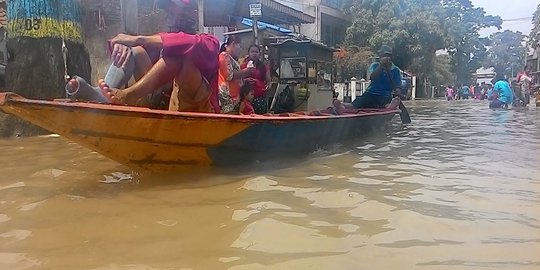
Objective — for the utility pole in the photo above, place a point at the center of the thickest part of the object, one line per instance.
(255, 12)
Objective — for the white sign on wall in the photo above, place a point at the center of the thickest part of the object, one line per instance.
(255, 10)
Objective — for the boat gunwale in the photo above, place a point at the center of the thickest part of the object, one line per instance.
(7, 98)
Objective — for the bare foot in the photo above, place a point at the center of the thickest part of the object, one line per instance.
(115, 96)
(72, 86)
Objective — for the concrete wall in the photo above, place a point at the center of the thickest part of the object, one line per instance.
(96, 41)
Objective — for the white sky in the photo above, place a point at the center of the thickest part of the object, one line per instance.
(508, 9)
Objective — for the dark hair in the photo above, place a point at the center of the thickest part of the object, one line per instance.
(228, 41)
(244, 91)
(260, 64)
(500, 77)
(526, 66)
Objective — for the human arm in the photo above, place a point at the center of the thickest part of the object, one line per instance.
(268, 78)
(120, 46)
(377, 69)
(227, 71)
(242, 107)
(397, 85)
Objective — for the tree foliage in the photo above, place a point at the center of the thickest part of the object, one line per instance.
(353, 61)
(417, 29)
(442, 71)
(506, 53)
(464, 44)
(535, 33)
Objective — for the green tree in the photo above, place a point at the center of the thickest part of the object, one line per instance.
(414, 28)
(463, 22)
(352, 61)
(535, 33)
(505, 54)
(442, 71)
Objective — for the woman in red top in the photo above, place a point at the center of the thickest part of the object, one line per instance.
(260, 79)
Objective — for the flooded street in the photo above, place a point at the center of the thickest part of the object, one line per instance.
(457, 189)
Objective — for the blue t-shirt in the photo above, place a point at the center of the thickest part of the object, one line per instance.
(505, 92)
(382, 86)
(465, 91)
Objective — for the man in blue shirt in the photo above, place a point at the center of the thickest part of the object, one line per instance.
(505, 93)
(385, 79)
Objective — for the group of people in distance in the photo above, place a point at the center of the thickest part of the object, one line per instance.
(501, 93)
(191, 72)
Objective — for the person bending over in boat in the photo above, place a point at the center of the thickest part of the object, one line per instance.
(188, 59)
(385, 77)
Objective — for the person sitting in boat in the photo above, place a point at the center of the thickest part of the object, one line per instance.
(385, 77)
(246, 99)
(187, 59)
(231, 76)
(260, 79)
(504, 93)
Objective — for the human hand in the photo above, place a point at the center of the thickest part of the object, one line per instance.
(386, 62)
(128, 40)
(249, 71)
(120, 54)
(250, 81)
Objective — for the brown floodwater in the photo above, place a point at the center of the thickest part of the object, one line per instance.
(457, 189)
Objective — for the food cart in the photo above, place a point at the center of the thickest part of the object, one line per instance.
(305, 73)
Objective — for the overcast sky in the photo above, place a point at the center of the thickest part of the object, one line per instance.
(508, 10)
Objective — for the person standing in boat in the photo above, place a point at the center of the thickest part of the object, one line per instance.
(231, 76)
(385, 77)
(260, 79)
(185, 58)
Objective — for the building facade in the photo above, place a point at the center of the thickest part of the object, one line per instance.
(330, 23)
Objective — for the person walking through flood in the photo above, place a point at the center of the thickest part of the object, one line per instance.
(524, 86)
(504, 93)
(449, 93)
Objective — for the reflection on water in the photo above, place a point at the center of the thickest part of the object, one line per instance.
(457, 189)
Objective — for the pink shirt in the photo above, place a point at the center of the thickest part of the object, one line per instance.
(203, 50)
(260, 78)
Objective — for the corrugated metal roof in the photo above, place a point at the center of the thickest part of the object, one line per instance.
(3, 13)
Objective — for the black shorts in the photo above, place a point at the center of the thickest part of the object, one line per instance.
(369, 100)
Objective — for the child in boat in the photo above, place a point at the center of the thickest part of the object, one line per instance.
(189, 60)
(246, 97)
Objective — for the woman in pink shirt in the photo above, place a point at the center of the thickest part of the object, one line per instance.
(188, 60)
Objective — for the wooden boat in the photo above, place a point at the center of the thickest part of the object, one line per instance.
(157, 140)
